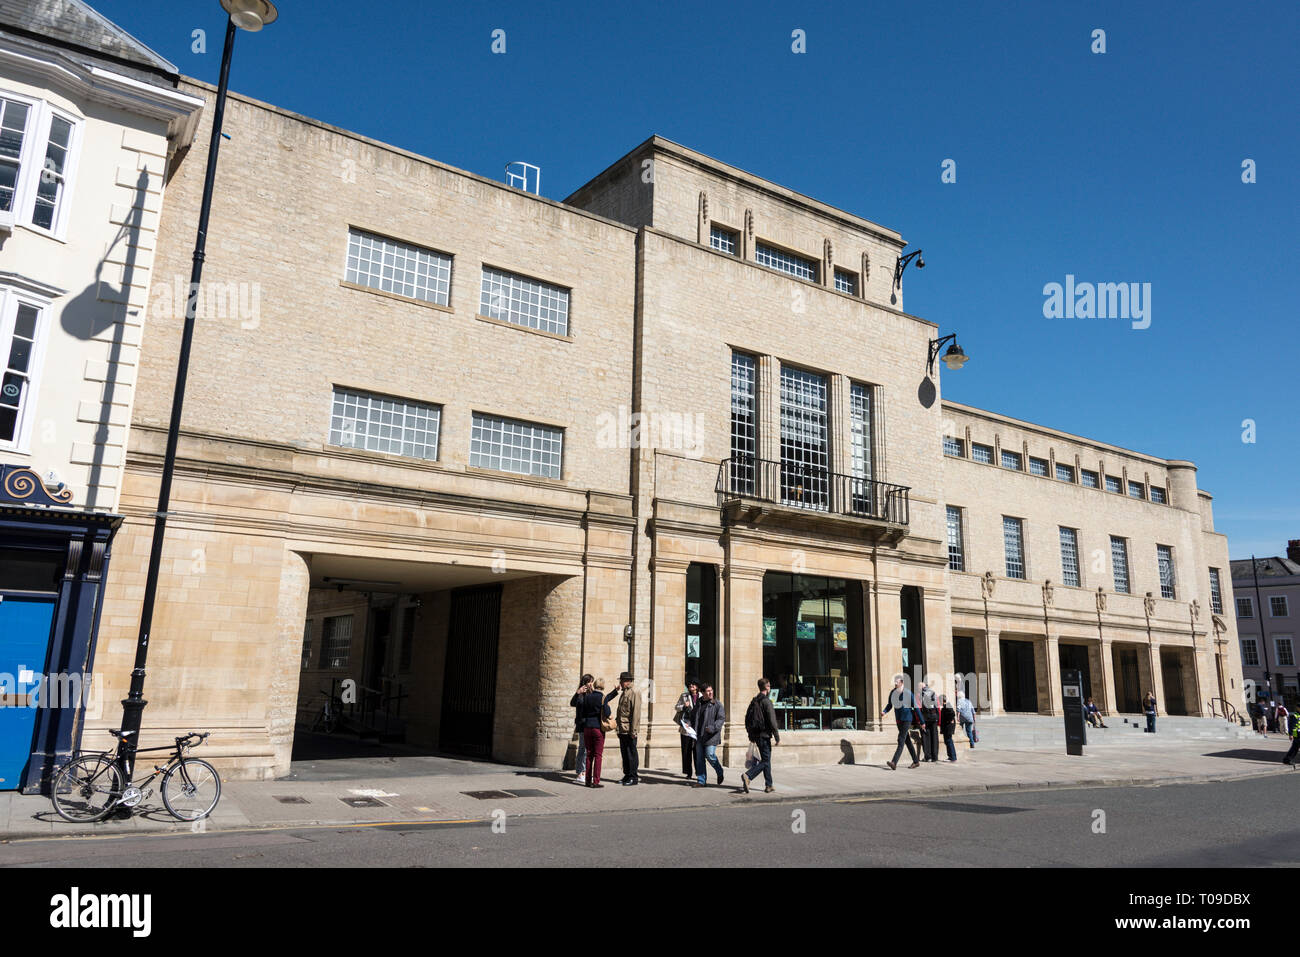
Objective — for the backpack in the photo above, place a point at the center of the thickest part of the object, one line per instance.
(755, 720)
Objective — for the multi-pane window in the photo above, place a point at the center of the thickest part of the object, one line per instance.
(956, 552)
(1013, 540)
(981, 453)
(846, 281)
(1165, 561)
(36, 146)
(744, 423)
(1157, 495)
(381, 423)
(20, 329)
(50, 183)
(1285, 653)
(400, 268)
(1069, 556)
(306, 644)
(1249, 652)
(525, 302)
(510, 445)
(1112, 484)
(13, 129)
(805, 454)
(1277, 606)
(788, 263)
(860, 448)
(1135, 490)
(1245, 608)
(953, 446)
(1037, 466)
(1065, 472)
(1087, 479)
(336, 641)
(1011, 460)
(1119, 563)
(1216, 595)
(723, 240)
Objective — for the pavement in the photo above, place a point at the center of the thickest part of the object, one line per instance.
(367, 791)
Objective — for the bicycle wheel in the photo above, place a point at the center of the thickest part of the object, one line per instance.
(86, 788)
(191, 789)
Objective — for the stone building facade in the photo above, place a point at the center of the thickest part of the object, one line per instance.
(460, 443)
(1267, 608)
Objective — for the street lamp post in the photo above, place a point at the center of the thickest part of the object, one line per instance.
(250, 15)
(1263, 639)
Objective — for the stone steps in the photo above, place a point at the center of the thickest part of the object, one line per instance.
(1030, 732)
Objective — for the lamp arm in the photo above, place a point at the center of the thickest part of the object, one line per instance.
(935, 346)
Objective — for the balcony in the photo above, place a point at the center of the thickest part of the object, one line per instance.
(752, 490)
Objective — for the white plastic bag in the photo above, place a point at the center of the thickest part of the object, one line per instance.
(753, 757)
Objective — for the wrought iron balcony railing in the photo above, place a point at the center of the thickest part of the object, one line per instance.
(800, 485)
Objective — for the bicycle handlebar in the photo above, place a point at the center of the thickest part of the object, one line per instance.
(192, 739)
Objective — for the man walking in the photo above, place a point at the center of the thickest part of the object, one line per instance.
(685, 719)
(1149, 707)
(948, 724)
(760, 726)
(628, 724)
(1295, 739)
(903, 705)
(966, 714)
(710, 716)
(580, 760)
(930, 725)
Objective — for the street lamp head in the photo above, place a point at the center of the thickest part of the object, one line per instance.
(250, 15)
(955, 357)
(920, 263)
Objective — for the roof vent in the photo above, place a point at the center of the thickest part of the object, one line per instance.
(520, 174)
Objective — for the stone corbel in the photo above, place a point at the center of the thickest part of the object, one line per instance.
(987, 584)
(1101, 600)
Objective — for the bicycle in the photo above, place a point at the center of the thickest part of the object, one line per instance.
(93, 784)
(330, 716)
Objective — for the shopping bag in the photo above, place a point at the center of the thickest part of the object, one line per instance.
(974, 734)
(754, 757)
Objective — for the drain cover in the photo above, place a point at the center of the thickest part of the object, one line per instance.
(362, 802)
(530, 793)
(488, 795)
(291, 799)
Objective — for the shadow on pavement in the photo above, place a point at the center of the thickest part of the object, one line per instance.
(1250, 754)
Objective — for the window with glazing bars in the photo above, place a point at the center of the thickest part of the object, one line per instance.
(1157, 495)
(1011, 460)
(744, 424)
(336, 641)
(860, 425)
(511, 445)
(13, 129)
(1112, 483)
(1277, 606)
(805, 475)
(1165, 562)
(1037, 466)
(1245, 608)
(723, 240)
(1087, 479)
(400, 268)
(953, 446)
(956, 553)
(1065, 473)
(381, 423)
(981, 453)
(1069, 556)
(1216, 596)
(1119, 562)
(1285, 654)
(1135, 490)
(1249, 652)
(49, 187)
(525, 302)
(20, 324)
(1013, 539)
(846, 281)
(788, 263)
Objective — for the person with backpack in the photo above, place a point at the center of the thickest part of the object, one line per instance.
(760, 726)
(947, 725)
(903, 705)
(595, 722)
(710, 716)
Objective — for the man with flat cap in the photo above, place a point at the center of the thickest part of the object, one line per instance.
(628, 724)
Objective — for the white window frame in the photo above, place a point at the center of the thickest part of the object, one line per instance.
(1020, 544)
(479, 457)
(954, 447)
(10, 299)
(352, 274)
(1249, 606)
(1254, 650)
(1277, 651)
(983, 448)
(1216, 592)
(407, 409)
(31, 163)
(1170, 586)
(1071, 556)
(1286, 606)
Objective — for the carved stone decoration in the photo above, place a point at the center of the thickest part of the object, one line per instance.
(704, 205)
(1220, 626)
(1101, 600)
(1149, 603)
(1047, 592)
(827, 252)
(749, 224)
(21, 486)
(866, 267)
(987, 584)
(1196, 610)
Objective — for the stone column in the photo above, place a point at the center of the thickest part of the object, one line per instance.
(742, 661)
(888, 635)
(1052, 649)
(659, 735)
(993, 638)
(286, 660)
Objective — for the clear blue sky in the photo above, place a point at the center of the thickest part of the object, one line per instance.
(1117, 167)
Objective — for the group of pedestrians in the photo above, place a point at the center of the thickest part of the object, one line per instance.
(1266, 716)
(921, 723)
(594, 720)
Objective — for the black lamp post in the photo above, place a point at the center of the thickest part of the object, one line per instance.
(250, 15)
(900, 267)
(954, 358)
(1263, 638)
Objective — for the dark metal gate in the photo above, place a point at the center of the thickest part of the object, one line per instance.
(1019, 677)
(470, 677)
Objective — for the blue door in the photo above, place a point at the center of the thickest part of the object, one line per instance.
(24, 643)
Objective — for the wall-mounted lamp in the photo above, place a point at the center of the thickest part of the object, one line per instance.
(902, 264)
(954, 358)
